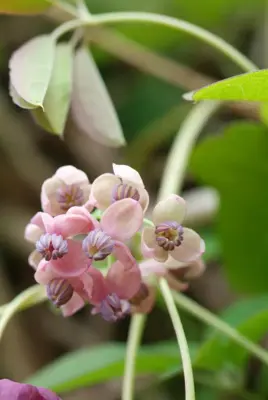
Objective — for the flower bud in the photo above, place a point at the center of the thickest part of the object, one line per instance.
(59, 291)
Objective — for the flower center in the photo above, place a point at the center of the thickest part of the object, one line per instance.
(70, 196)
(169, 235)
(52, 246)
(125, 191)
(112, 308)
(97, 245)
(59, 291)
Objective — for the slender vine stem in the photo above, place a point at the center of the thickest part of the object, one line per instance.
(134, 337)
(143, 17)
(209, 318)
(172, 177)
(181, 338)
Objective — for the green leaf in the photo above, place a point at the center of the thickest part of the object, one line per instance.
(92, 108)
(86, 367)
(30, 70)
(264, 113)
(236, 164)
(246, 87)
(250, 317)
(58, 96)
(23, 6)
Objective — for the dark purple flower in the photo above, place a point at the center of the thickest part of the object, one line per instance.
(10, 390)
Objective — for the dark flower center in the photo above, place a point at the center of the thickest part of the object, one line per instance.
(52, 246)
(97, 245)
(59, 291)
(169, 235)
(70, 196)
(112, 308)
(125, 191)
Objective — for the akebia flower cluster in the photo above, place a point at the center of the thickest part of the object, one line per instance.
(83, 226)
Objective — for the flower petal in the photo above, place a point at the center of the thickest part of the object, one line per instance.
(195, 269)
(73, 305)
(124, 282)
(71, 175)
(34, 259)
(32, 233)
(74, 222)
(83, 285)
(99, 290)
(147, 304)
(49, 201)
(44, 273)
(74, 263)
(102, 190)
(122, 219)
(192, 247)
(123, 254)
(149, 247)
(43, 220)
(171, 209)
(127, 173)
(152, 267)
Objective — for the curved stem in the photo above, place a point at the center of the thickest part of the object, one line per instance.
(143, 17)
(181, 338)
(134, 337)
(178, 156)
(209, 318)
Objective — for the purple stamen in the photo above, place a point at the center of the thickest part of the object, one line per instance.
(70, 196)
(97, 245)
(59, 291)
(52, 246)
(125, 191)
(169, 235)
(112, 308)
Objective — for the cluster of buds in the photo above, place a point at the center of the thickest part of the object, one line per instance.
(83, 226)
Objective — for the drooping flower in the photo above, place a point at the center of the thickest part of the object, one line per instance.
(111, 294)
(123, 184)
(176, 273)
(118, 223)
(55, 243)
(168, 237)
(67, 188)
(68, 292)
(10, 390)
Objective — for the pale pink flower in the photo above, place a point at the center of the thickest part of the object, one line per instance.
(112, 188)
(173, 271)
(69, 292)
(10, 390)
(54, 240)
(168, 237)
(67, 188)
(111, 294)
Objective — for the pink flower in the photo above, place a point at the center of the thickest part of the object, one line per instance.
(169, 237)
(67, 188)
(55, 241)
(110, 294)
(172, 270)
(112, 188)
(69, 292)
(10, 390)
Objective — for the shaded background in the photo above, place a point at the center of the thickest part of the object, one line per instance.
(151, 109)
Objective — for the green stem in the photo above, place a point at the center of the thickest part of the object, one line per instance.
(143, 17)
(172, 177)
(134, 337)
(181, 338)
(209, 318)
